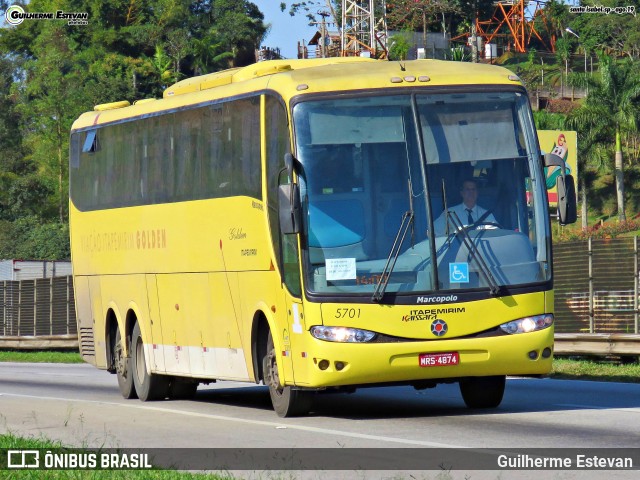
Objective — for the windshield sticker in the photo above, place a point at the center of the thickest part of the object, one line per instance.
(459, 272)
(341, 268)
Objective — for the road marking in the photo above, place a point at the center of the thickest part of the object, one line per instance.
(326, 431)
(595, 407)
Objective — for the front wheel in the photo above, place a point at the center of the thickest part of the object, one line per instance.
(148, 385)
(286, 401)
(483, 392)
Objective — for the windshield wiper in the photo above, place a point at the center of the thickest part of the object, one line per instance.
(494, 288)
(408, 220)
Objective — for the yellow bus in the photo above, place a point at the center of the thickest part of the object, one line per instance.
(296, 223)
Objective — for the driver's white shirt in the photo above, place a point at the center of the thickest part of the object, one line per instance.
(461, 211)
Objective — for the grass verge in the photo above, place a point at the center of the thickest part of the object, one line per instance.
(603, 370)
(40, 356)
(10, 441)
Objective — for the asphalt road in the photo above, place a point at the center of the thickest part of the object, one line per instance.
(81, 406)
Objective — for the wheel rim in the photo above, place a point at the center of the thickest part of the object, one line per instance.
(140, 369)
(273, 378)
(121, 364)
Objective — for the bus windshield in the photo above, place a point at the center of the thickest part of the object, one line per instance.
(421, 193)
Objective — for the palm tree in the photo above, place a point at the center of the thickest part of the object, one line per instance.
(209, 55)
(611, 110)
(593, 156)
(563, 53)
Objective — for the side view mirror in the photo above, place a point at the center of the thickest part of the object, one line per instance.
(289, 206)
(567, 205)
(566, 187)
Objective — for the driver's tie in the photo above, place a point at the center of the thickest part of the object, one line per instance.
(469, 217)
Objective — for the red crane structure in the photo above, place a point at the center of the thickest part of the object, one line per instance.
(517, 22)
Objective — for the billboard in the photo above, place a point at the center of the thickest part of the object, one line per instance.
(563, 143)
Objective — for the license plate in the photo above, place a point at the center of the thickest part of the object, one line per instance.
(447, 359)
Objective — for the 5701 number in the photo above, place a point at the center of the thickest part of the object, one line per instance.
(347, 313)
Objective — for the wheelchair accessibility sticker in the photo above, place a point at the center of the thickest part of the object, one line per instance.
(459, 272)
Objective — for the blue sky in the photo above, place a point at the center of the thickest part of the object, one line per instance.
(286, 30)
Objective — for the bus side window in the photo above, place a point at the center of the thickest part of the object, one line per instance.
(285, 247)
(290, 255)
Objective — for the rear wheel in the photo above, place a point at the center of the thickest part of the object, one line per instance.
(483, 392)
(123, 368)
(148, 385)
(287, 402)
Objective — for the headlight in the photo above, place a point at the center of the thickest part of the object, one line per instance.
(528, 324)
(342, 334)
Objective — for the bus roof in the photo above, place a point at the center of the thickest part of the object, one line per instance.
(297, 77)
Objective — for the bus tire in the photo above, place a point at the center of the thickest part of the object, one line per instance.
(182, 389)
(483, 392)
(124, 370)
(286, 401)
(148, 386)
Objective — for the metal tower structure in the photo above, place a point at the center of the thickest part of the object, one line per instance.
(361, 34)
(516, 23)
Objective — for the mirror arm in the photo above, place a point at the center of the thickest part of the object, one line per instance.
(553, 160)
(289, 162)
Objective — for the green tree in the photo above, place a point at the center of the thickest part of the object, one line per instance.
(556, 20)
(53, 98)
(467, 14)
(31, 194)
(610, 112)
(399, 46)
(50, 72)
(239, 28)
(13, 163)
(11, 150)
(28, 237)
(549, 121)
(209, 55)
(418, 15)
(457, 54)
(615, 34)
(310, 7)
(563, 53)
(162, 65)
(593, 158)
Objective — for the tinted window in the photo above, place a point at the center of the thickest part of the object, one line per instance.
(206, 152)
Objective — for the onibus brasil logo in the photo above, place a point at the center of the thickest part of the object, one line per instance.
(15, 15)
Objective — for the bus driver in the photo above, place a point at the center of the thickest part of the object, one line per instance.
(469, 212)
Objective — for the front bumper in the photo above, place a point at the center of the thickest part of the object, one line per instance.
(331, 364)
